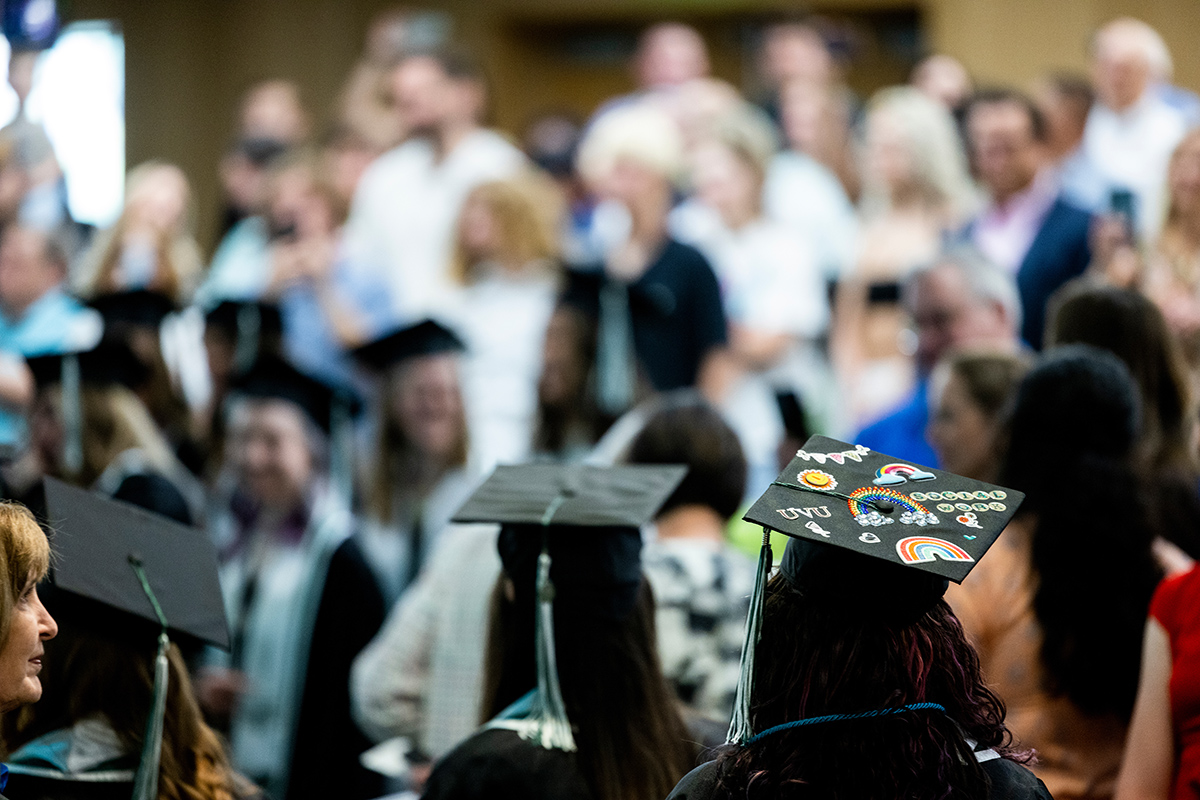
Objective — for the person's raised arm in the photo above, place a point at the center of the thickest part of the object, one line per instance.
(1147, 767)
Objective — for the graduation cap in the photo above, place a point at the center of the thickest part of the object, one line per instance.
(869, 533)
(272, 377)
(142, 308)
(110, 363)
(570, 534)
(121, 567)
(255, 327)
(425, 338)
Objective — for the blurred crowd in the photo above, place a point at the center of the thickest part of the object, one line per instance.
(406, 298)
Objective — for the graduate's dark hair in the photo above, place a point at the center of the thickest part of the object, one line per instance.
(109, 673)
(1071, 444)
(816, 659)
(633, 744)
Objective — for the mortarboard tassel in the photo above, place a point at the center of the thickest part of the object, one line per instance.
(740, 727)
(145, 783)
(72, 415)
(552, 728)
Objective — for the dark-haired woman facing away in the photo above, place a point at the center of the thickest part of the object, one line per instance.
(1058, 607)
(843, 632)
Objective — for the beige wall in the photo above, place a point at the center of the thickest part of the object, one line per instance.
(1014, 41)
(188, 61)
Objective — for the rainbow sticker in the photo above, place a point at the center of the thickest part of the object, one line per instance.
(913, 514)
(816, 479)
(923, 549)
(896, 474)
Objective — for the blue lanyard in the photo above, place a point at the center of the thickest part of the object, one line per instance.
(879, 712)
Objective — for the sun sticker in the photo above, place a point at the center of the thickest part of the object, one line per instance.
(816, 479)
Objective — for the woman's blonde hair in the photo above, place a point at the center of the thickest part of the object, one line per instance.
(114, 420)
(24, 557)
(940, 176)
(639, 132)
(179, 262)
(528, 212)
(1176, 249)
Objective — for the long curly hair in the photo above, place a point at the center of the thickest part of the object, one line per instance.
(819, 658)
(1072, 437)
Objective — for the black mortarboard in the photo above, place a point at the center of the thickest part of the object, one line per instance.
(909, 515)
(122, 570)
(425, 338)
(272, 377)
(143, 308)
(111, 362)
(95, 541)
(570, 535)
(870, 534)
(155, 493)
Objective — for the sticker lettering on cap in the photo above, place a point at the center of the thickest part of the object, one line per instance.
(924, 549)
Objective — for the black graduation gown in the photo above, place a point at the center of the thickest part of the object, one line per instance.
(325, 755)
(498, 763)
(1010, 781)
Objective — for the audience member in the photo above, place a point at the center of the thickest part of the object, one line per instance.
(701, 582)
(1131, 130)
(656, 302)
(943, 79)
(403, 217)
(507, 263)
(151, 246)
(970, 391)
(1058, 625)
(915, 190)
(959, 301)
(1065, 100)
(771, 285)
(1027, 228)
(1161, 759)
(669, 55)
(792, 52)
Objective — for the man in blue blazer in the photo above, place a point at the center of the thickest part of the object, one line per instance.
(1027, 227)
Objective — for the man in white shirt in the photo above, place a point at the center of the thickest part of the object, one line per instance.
(406, 207)
(1131, 131)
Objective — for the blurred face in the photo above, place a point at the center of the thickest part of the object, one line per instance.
(961, 433)
(21, 655)
(726, 183)
(946, 315)
(1120, 72)
(1183, 178)
(269, 445)
(629, 182)
(25, 272)
(427, 404)
(160, 199)
(422, 92)
(345, 164)
(792, 53)
(804, 108)
(1006, 154)
(478, 230)
(297, 203)
(887, 151)
(671, 55)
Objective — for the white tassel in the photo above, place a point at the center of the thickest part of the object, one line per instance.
(740, 727)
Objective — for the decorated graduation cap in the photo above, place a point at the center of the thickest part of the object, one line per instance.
(570, 534)
(255, 328)
(870, 534)
(426, 338)
(142, 308)
(124, 569)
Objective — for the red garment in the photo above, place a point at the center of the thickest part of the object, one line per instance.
(1176, 606)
